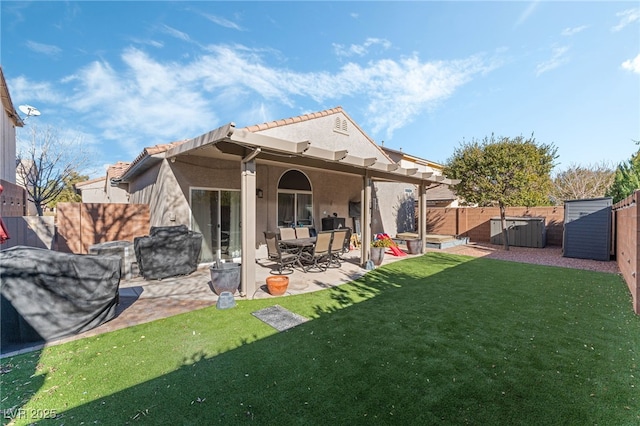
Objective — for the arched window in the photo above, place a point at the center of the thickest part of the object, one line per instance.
(295, 200)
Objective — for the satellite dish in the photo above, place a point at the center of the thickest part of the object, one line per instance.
(29, 110)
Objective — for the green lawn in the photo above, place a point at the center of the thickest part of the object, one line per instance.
(436, 339)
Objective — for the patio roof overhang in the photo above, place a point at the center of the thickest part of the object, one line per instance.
(229, 142)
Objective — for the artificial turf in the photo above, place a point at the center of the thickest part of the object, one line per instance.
(436, 339)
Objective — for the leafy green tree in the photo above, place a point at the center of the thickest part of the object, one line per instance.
(580, 182)
(626, 179)
(68, 193)
(503, 172)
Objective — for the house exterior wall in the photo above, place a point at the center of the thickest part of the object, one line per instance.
(13, 200)
(393, 208)
(166, 189)
(8, 149)
(322, 133)
(99, 192)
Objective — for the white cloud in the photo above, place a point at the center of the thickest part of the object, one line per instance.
(153, 43)
(360, 49)
(627, 17)
(148, 101)
(223, 22)
(46, 49)
(558, 58)
(632, 65)
(568, 32)
(175, 33)
(526, 13)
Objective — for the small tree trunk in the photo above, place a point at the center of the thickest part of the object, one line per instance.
(503, 222)
(39, 209)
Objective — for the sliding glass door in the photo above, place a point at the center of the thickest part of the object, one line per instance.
(216, 214)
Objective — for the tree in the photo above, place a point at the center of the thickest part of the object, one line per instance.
(68, 193)
(46, 163)
(626, 179)
(580, 182)
(503, 172)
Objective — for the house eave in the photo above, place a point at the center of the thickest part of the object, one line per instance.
(229, 141)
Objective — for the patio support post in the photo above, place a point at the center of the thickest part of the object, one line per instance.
(248, 226)
(422, 215)
(365, 219)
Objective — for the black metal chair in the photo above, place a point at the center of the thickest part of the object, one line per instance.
(283, 259)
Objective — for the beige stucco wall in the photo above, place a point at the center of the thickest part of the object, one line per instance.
(7, 149)
(331, 191)
(321, 133)
(393, 208)
(98, 192)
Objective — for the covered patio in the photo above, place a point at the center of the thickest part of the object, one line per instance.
(251, 149)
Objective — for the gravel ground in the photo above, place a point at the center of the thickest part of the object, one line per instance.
(541, 256)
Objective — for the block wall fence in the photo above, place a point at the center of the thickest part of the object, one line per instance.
(475, 222)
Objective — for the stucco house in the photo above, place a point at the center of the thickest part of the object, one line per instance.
(100, 190)
(13, 199)
(233, 184)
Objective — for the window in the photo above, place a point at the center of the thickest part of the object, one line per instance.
(295, 200)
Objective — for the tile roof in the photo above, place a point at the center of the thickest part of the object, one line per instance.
(160, 148)
(297, 119)
(116, 170)
(311, 116)
(146, 152)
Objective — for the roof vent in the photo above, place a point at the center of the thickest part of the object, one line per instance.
(341, 126)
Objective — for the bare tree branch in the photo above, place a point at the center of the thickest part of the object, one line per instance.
(46, 162)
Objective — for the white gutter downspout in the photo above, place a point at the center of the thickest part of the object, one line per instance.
(248, 224)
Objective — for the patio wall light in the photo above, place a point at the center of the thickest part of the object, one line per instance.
(259, 193)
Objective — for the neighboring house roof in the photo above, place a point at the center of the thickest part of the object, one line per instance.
(88, 182)
(152, 152)
(441, 193)
(7, 104)
(398, 155)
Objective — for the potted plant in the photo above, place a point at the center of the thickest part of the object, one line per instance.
(378, 247)
(277, 284)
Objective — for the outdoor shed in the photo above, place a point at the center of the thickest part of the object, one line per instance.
(587, 229)
(521, 231)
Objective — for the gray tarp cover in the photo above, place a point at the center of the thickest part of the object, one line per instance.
(47, 295)
(167, 251)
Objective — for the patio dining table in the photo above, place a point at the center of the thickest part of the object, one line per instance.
(300, 244)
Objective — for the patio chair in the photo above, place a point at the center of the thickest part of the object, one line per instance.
(320, 256)
(303, 232)
(287, 234)
(337, 246)
(284, 259)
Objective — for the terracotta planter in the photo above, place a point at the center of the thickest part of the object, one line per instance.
(277, 285)
(377, 255)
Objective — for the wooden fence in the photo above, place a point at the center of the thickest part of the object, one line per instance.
(80, 225)
(627, 229)
(475, 222)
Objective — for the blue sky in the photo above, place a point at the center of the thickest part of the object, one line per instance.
(420, 76)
